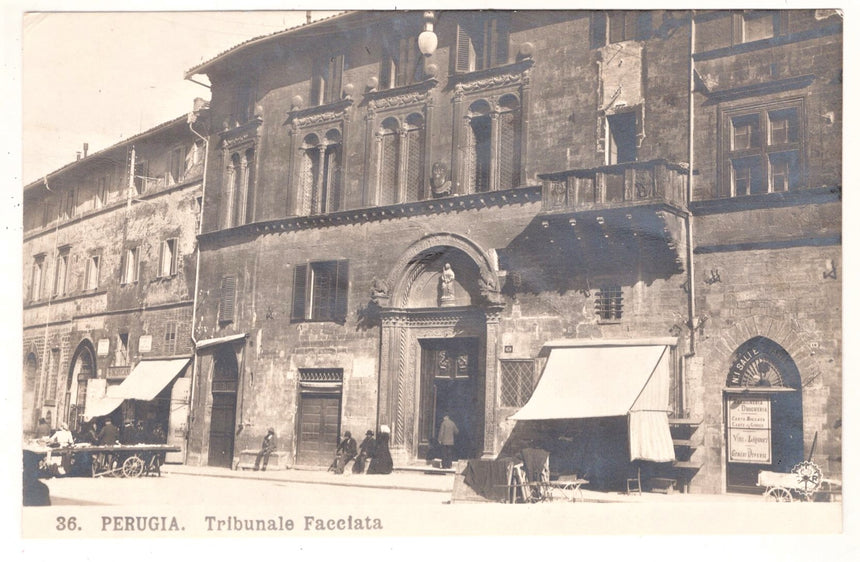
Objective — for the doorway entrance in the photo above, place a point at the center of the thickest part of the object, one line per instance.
(450, 385)
(320, 392)
(764, 414)
(222, 426)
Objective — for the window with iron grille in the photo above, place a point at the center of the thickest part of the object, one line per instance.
(609, 303)
(517, 382)
(491, 155)
(227, 305)
(320, 291)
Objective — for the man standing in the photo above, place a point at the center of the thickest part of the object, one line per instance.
(109, 434)
(346, 451)
(447, 431)
(270, 443)
(365, 451)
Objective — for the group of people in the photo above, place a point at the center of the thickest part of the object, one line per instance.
(131, 433)
(373, 448)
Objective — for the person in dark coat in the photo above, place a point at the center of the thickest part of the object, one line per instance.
(43, 429)
(270, 443)
(109, 434)
(365, 451)
(381, 462)
(447, 432)
(35, 492)
(346, 451)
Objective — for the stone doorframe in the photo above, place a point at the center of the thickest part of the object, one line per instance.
(400, 368)
(403, 327)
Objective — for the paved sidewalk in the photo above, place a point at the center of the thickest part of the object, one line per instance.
(397, 480)
(418, 481)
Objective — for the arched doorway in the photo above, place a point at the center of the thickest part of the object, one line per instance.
(83, 369)
(28, 404)
(222, 426)
(440, 323)
(764, 414)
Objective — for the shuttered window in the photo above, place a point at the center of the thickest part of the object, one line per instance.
(320, 292)
(327, 80)
(227, 304)
(482, 41)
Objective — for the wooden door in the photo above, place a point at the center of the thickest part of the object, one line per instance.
(319, 428)
(221, 429)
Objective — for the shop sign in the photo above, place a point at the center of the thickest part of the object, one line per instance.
(749, 431)
(144, 344)
(104, 347)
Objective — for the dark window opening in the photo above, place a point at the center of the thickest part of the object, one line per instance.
(622, 138)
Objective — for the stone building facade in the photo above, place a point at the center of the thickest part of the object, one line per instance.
(109, 270)
(408, 214)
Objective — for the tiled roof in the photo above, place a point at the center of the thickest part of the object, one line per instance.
(262, 38)
(91, 157)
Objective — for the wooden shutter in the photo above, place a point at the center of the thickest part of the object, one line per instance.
(123, 268)
(160, 271)
(464, 49)
(341, 297)
(334, 85)
(598, 30)
(174, 266)
(227, 306)
(300, 281)
(497, 36)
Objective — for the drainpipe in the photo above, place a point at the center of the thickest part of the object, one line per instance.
(195, 368)
(691, 279)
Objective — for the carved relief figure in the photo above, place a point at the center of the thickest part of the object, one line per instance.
(379, 290)
(439, 179)
(446, 282)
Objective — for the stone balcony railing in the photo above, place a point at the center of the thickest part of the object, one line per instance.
(617, 185)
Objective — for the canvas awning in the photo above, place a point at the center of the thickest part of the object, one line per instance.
(149, 378)
(593, 380)
(101, 406)
(203, 344)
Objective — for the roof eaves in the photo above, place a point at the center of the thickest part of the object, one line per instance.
(102, 152)
(202, 67)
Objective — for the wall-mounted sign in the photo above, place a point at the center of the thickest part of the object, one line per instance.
(749, 430)
(144, 344)
(103, 348)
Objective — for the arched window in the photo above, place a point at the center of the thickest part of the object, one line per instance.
(509, 142)
(492, 155)
(389, 161)
(401, 160)
(479, 153)
(320, 174)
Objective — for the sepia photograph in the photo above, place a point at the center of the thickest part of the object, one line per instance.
(431, 272)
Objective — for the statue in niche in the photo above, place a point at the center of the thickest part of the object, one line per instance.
(439, 179)
(446, 284)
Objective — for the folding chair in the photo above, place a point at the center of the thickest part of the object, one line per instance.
(634, 483)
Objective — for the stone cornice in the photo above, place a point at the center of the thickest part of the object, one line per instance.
(518, 196)
(513, 74)
(412, 94)
(312, 116)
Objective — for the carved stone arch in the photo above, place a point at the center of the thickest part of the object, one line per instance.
(479, 108)
(407, 267)
(82, 368)
(784, 333)
(508, 102)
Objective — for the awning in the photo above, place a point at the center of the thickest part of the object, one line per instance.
(103, 405)
(149, 378)
(202, 344)
(593, 381)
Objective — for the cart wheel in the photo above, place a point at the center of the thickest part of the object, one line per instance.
(132, 467)
(778, 495)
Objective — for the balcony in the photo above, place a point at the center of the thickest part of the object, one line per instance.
(614, 186)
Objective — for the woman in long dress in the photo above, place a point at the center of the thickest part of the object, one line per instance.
(381, 462)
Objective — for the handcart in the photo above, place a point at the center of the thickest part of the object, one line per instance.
(126, 461)
(801, 483)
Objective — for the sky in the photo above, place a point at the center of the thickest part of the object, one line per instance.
(102, 77)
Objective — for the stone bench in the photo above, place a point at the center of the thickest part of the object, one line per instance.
(278, 460)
